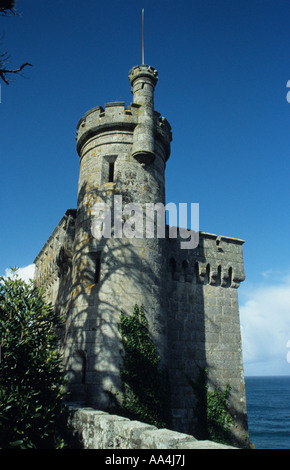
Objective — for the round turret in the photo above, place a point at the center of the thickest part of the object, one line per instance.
(123, 153)
(143, 80)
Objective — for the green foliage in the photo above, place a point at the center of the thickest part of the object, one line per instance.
(31, 375)
(145, 386)
(218, 416)
(212, 410)
(200, 389)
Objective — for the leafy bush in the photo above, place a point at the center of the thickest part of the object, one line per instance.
(31, 375)
(218, 417)
(145, 386)
(212, 410)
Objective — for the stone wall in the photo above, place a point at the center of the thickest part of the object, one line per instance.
(99, 430)
(204, 325)
(53, 261)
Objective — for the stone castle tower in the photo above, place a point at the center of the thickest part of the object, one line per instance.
(189, 295)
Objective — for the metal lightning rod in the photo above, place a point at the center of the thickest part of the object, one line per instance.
(143, 36)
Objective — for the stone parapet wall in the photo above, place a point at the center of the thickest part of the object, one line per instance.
(116, 116)
(217, 260)
(99, 430)
(204, 325)
(54, 259)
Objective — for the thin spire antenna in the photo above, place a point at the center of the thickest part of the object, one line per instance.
(143, 36)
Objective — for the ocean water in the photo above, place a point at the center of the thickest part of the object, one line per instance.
(268, 406)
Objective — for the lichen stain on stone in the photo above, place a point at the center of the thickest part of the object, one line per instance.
(76, 291)
(88, 287)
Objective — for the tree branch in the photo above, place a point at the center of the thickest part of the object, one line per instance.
(7, 5)
(3, 72)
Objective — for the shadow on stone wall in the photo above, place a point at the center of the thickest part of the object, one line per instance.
(105, 277)
(186, 333)
(204, 333)
(102, 280)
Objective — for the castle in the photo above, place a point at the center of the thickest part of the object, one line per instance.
(189, 294)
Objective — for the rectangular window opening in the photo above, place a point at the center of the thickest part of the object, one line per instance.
(111, 172)
(98, 267)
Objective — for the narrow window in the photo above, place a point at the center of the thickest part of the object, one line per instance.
(80, 358)
(207, 276)
(111, 172)
(185, 265)
(172, 267)
(230, 277)
(97, 267)
(196, 271)
(219, 276)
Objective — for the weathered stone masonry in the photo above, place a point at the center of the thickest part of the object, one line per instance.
(190, 295)
(95, 429)
(203, 321)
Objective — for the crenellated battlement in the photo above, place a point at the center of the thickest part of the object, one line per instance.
(141, 71)
(217, 260)
(115, 116)
(195, 271)
(54, 259)
(139, 75)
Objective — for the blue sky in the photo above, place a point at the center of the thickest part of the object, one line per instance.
(223, 69)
